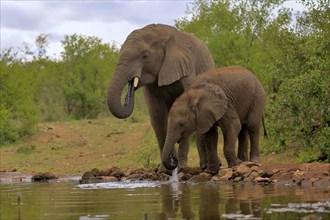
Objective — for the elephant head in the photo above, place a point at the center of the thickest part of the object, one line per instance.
(197, 109)
(156, 54)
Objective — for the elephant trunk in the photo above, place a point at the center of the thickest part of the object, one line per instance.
(114, 99)
(169, 158)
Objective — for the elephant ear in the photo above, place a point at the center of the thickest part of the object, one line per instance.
(210, 109)
(177, 62)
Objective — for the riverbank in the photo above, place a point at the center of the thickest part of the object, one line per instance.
(71, 150)
(293, 174)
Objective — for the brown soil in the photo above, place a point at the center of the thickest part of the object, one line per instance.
(75, 148)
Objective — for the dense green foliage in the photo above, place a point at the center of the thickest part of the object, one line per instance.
(290, 57)
(36, 88)
(288, 52)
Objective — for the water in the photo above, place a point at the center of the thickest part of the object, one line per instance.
(160, 200)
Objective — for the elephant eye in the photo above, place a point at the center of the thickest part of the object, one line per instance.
(145, 56)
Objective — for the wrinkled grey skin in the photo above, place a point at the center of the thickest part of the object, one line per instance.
(231, 98)
(165, 61)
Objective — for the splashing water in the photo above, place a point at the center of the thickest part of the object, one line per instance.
(174, 177)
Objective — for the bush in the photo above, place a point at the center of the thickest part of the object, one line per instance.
(301, 113)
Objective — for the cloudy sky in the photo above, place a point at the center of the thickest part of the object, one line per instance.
(111, 20)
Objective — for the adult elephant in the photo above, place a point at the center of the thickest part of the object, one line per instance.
(164, 61)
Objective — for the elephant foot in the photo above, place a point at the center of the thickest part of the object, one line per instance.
(251, 163)
(255, 160)
(234, 163)
(213, 169)
(161, 169)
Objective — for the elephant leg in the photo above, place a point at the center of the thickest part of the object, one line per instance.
(254, 141)
(211, 144)
(158, 111)
(183, 152)
(242, 153)
(230, 126)
(201, 151)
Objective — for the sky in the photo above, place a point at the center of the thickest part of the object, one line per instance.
(110, 20)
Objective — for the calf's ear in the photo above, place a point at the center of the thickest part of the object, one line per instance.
(210, 108)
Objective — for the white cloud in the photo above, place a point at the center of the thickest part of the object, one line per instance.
(22, 21)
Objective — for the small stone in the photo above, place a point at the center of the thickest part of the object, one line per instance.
(226, 176)
(241, 170)
(267, 173)
(203, 177)
(322, 183)
(326, 173)
(238, 179)
(262, 179)
(298, 176)
(252, 164)
(215, 178)
(152, 176)
(43, 177)
(88, 175)
(275, 171)
(109, 178)
(306, 183)
(254, 174)
(184, 176)
(117, 173)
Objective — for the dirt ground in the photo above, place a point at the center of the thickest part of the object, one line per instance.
(70, 150)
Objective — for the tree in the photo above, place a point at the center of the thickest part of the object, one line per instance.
(290, 58)
(18, 114)
(88, 64)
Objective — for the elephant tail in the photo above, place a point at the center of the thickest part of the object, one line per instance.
(263, 125)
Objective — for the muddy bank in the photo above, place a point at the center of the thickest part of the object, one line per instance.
(304, 175)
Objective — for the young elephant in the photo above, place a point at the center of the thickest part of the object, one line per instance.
(231, 98)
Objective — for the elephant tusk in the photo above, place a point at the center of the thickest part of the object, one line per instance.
(135, 82)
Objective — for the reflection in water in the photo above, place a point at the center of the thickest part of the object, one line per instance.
(175, 196)
(160, 200)
(209, 202)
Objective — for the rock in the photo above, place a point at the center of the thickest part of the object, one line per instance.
(262, 179)
(87, 175)
(203, 177)
(251, 164)
(215, 178)
(267, 173)
(241, 170)
(324, 182)
(152, 176)
(326, 173)
(184, 176)
(275, 171)
(298, 176)
(43, 177)
(117, 173)
(109, 178)
(96, 172)
(238, 179)
(306, 183)
(164, 177)
(225, 174)
(135, 176)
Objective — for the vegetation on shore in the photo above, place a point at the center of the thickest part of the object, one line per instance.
(288, 52)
